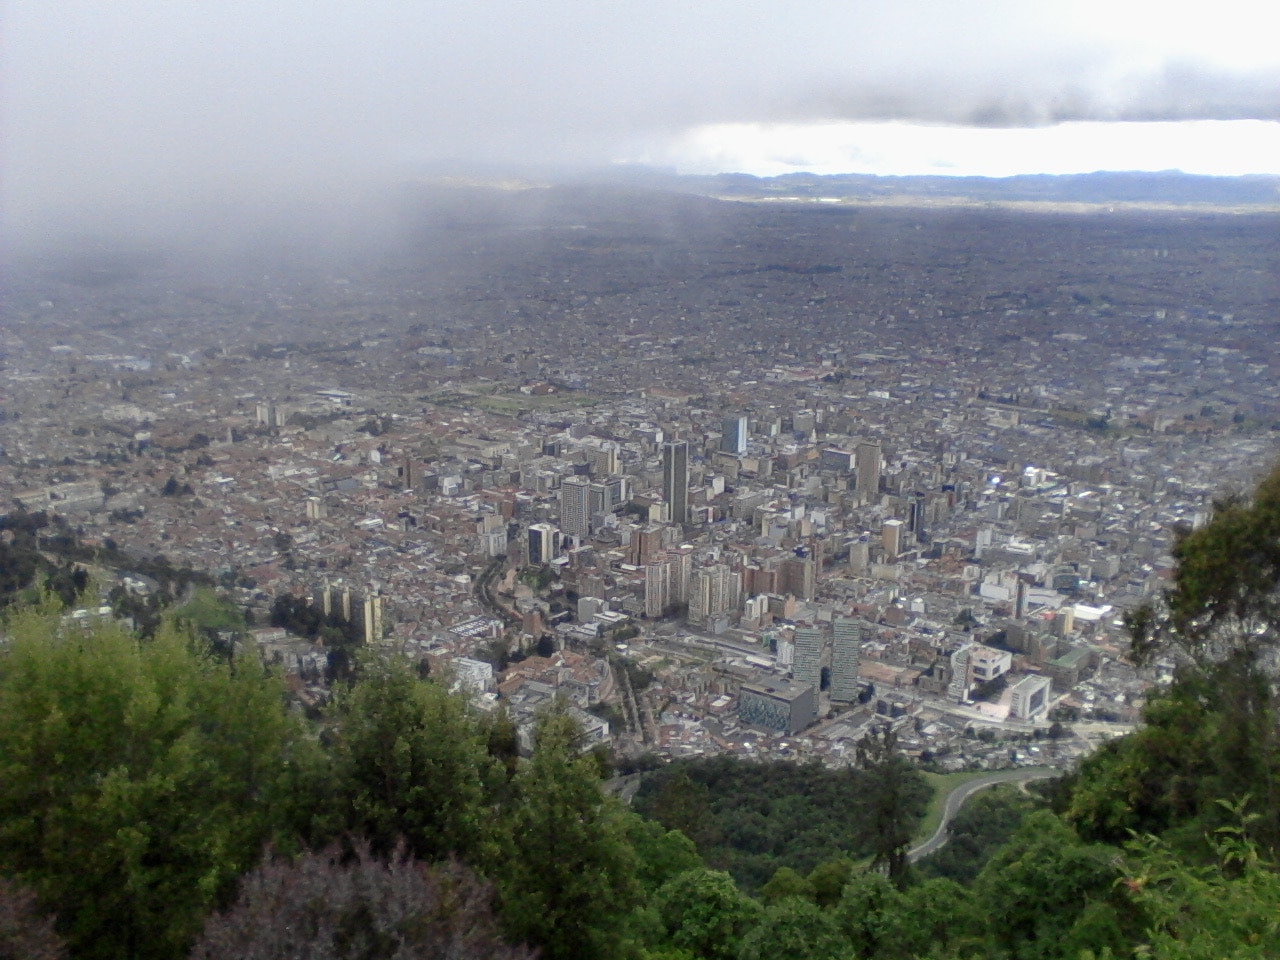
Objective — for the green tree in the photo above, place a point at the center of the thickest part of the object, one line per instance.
(868, 908)
(661, 854)
(828, 880)
(1225, 910)
(795, 929)
(568, 880)
(786, 884)
(892, 813)
(933, 918)
(983, 825)
(412, 764)
(703, 912)
(137, 780)
(1042, 884)
(1216, 735)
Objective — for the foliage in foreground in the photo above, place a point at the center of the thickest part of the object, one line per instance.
(138, 780)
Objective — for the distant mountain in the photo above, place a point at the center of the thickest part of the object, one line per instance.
(1166, 187)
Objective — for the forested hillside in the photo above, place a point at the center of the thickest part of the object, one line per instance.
(158, 802)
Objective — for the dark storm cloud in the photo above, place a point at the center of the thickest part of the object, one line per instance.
(153, 106)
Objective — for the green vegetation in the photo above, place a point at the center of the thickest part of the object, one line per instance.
(137, 780)
(753, 818)
(156, 799)
(983, 825)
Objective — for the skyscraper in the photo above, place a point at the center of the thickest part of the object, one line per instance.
(544, 543)
(575, 507)
(675, 479)
(868, 469)
(808, 663)
(846, 644)
(733, 435)
(713, 591)
(891, 539)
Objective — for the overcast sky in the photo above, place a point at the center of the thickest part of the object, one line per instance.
(158, 102)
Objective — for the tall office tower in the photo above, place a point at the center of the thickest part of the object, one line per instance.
(846, 641)
(645, 544)
(868, 470)
(657, 587)
(733, 435)
(675, 478)
(891, 538)
(796, 576)
(681, 573)
(410, 474)
(606, 497)
(544, 543)
(575, 507)
(369, 618)
(807, 667)
(321, 598)
(713, 592)
(1020, 600)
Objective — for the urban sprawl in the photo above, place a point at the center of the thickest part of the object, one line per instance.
(738, 478)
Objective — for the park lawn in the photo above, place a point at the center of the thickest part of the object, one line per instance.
(943, 784)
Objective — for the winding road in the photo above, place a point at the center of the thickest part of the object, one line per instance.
(960, 795)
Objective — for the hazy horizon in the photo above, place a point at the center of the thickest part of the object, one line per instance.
(140, 112)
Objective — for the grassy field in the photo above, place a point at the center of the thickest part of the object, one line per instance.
(943, 784)
(510, 404)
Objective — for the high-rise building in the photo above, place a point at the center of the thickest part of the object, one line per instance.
(575, 507)
(675, 479)
(368, 618)
(807, 667)
(846, 643)
(657, 587)
(733, 435)
(891, 539)
(868, 486)
(713, 592)
(796, 575)
(544, 543)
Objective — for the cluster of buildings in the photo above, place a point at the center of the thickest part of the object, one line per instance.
(753, 489)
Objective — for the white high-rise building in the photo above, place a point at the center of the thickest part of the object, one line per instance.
(544, 543)
(575, 507)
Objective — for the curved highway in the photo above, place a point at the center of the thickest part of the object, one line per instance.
(958, 797)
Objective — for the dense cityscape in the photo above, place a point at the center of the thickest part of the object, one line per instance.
(750, 478)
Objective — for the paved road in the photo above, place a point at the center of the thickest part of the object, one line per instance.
(957, 798)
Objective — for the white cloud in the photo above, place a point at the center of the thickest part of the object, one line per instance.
(1215, 148)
